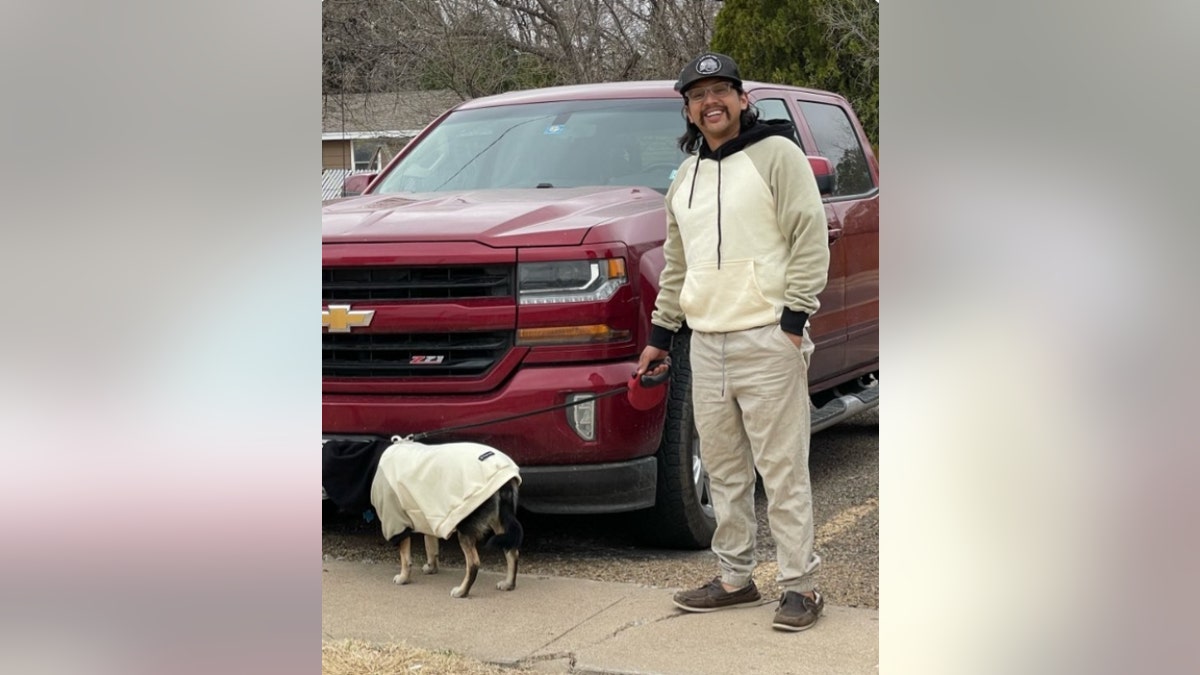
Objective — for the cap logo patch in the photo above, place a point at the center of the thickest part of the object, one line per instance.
(708, 65)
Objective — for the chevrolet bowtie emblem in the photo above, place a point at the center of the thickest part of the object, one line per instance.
(340, 318)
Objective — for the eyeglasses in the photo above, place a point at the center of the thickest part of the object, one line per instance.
(719, 90)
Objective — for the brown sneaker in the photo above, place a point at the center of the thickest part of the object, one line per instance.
(796, 612)
(711, 596)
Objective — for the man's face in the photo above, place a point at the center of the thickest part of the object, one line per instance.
(716, 108)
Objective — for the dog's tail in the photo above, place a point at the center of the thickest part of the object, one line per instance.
(514, 534)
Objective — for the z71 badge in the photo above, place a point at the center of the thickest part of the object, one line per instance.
(431, 360)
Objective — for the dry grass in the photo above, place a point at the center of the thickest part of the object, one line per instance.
(354, 657)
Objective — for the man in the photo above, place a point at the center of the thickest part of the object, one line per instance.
(746, 255)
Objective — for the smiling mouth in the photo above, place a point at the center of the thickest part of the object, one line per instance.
(714, 115)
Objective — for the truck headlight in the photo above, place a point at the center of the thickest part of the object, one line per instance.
(569, 280)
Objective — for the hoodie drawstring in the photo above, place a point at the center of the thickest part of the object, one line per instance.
(695, 170)
(692, 193)
(718, 213)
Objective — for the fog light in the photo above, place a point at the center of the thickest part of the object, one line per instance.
(582, 417)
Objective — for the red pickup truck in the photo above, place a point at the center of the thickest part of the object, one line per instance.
(507, 261)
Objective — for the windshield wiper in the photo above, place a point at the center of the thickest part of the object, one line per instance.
(486, 148)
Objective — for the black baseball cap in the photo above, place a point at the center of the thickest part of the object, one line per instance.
(709, 64)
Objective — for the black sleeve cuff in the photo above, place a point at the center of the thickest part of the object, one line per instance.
(793, 322)
(661, 337)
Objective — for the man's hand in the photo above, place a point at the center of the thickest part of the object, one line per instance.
(651, 354)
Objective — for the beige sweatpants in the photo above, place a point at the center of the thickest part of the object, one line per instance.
(750, 392)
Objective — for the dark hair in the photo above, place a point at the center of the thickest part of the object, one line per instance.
(691, 139)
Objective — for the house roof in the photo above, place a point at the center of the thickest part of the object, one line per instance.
(397, 113)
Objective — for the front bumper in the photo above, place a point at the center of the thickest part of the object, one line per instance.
(614, 487)
(623, 433)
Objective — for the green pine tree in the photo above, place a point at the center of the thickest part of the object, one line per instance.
(787, 41)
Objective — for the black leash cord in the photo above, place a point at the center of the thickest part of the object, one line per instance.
(427, 434)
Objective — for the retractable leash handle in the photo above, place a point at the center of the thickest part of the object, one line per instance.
(655, 380)
(646, 392)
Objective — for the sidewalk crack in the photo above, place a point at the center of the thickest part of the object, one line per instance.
(635, 624)
(580, 623)
(621, 629)
(528, 661)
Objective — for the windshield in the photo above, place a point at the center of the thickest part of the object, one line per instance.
(547, 145)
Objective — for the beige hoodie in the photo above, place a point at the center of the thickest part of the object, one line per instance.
(746, 239)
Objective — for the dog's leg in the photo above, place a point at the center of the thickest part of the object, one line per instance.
(431, 555)
(509, 533)
(405, 561)
(510, 556)
(471, 556)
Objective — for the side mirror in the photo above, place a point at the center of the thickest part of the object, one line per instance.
(356, 184)
(823, 170)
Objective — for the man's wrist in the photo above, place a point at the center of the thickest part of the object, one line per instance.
(793, 322)
(661, 338)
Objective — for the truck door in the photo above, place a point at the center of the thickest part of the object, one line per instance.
(828, 326)
(853, 213)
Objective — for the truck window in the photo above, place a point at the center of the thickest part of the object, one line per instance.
(776, 109)
(548, 145)
(837, 142)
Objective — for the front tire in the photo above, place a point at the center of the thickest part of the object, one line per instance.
(682, 516)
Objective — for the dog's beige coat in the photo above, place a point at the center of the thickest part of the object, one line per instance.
(430, 489)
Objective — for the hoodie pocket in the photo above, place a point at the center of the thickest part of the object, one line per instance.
(724, 299)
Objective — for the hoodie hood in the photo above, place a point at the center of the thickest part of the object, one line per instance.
(347, 469)
(749, 136)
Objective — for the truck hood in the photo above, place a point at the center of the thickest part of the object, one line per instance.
(501, 218)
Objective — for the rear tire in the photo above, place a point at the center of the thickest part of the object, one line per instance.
(682, 516)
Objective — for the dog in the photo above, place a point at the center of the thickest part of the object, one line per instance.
(495, 520)
(467, 489)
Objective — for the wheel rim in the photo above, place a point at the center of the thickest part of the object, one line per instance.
(700, 479)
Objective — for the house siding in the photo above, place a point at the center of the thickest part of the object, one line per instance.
(336, 155)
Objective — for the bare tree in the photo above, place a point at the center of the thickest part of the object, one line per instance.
(366, 43)
(676, 32)
(478, 47)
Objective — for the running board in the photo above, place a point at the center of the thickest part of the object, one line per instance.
(847, 405)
